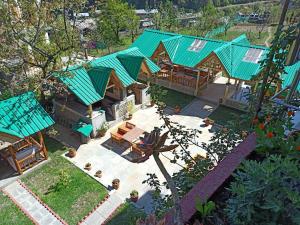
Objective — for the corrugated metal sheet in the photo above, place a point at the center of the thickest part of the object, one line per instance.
(291, 72)
(100, 78)
(132, 64)
(80, 83)
(23, 116)
(89, 86)
(231, 54)
(149, 40)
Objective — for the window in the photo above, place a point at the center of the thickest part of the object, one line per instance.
(253, 55)
(197, 45)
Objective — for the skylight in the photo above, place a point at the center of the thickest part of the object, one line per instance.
(197, 45)
(253, 55)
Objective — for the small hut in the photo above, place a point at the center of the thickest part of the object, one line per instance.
(22, 119)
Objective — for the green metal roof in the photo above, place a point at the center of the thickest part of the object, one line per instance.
(121, 67)
(89, 84)
(83, 128)
(291, 72)
(231, 53)
(23, 116)
(80, 83)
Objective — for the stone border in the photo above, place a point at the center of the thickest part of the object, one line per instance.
(42, 203)
(23, 210)
(93, 210)
(210, 183)
(112, 214)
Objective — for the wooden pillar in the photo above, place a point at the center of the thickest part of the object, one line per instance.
(13, 155)
(197, 83)
(90, 111)
(278, 86)
(255, 86)
(171, 78)
(42, 143)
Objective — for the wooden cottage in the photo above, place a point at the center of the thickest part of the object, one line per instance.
(22, 119)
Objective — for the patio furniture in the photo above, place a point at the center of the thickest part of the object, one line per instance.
(117, 136)
(133, 134)
(127, 126)
(136, 149)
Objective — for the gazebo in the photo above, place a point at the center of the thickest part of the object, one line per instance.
(22, 119)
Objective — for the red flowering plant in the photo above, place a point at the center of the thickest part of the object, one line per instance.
(276, 136)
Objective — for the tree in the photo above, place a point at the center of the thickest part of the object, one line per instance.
(133, 24)
(207, 20)
(114, 18)
(168, 14)
(38, 34)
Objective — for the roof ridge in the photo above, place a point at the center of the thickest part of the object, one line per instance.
(185, 35)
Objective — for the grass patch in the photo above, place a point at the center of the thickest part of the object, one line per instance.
(10, 213)
(76, 198)
(127, 214)
(174, 98)
(223, 114)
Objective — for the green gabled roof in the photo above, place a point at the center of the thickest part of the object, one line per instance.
(132, 64)
(100, 78)
(80, 83)
(23, 116)
(89, 84)
(231, 56)
(291, 72)
(231, 53)
(149, 40)
(152, 66)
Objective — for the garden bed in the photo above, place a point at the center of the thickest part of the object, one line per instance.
(10, 213)
(175, 98)
(223, 114)
(126, 214)
(79, 193)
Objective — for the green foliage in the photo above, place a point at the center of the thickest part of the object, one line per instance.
(204, 209)
(157, 93)
(265, 193)
(63, 182)
(273, 138)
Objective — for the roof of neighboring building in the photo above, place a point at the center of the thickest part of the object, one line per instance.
(291, 72)
(23, 116)
(89, 84)
(178, 47)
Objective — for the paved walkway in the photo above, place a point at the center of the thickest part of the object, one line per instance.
(102, 213)
(31, 206)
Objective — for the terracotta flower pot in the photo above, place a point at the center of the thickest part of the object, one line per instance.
(72, 153)
(88, 166)
(177, 109)
(98, 174)
(116, 184)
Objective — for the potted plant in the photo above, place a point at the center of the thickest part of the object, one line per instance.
(206, 121)
(134, 196)
(88, 166)
(98, 174)
(102, 130)
(72, 152)
(116, 184)
(177, 109)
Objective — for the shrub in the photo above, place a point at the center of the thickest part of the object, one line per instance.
(265, 192)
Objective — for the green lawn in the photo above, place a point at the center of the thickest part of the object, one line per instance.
(76, 198)
(10, 214)
(174, 98)
(224, 114)
(127, 214)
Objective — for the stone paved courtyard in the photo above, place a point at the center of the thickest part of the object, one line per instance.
(112, 160)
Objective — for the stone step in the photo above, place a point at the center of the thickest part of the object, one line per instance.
(101, 214)
(31, 206)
